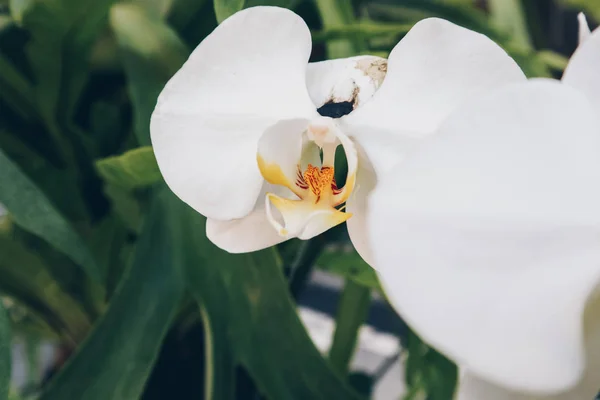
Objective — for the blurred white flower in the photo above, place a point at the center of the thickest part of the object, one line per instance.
(487, 240)
(239, 129)
(584, 29)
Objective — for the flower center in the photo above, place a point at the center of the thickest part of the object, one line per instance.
(317, 179)
(314, 209)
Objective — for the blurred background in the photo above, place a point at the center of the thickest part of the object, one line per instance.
(109, 287)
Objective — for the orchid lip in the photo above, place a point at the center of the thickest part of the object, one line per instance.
(315, 207)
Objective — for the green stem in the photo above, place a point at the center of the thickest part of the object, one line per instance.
(303, 264)
(352, 312)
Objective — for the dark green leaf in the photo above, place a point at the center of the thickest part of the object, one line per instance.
(270, 339)
(346, 263)
(591, 7)
(226, 8)
(337, 14)
(62, 35)
(248, 303)
(134, 169)
(362, 30)
(31, 210)
(429, 372)
(152, 52)
(5, 354)
(182, 12)
(25, 277)
(116, 359)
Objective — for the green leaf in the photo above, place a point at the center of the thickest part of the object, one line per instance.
(361, 30)
(338, 14)
(509, 16)
(25, 276)
(347, 263)
(5, 354)
(591, 7)
(254, 316)
(353, 307)
(226, 8)
(134, 169)
(270, 339)
(16, 91)
(115, 361)
(183, 12)
(18, 8)
(206, 282)
(30, 209)
(152, 52)
(429, 372)
(554, 60)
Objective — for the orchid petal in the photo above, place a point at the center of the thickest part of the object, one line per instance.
(433, 69)
(486, 240)
(251, 233)
(583, 70)
(247, 75)
(584, 29)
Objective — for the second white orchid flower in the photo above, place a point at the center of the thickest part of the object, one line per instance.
(487, 240)
(247, 131)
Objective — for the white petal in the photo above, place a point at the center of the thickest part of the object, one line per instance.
(433, 69)
(386, 151)
(280, 150)
(583, 70)
(250, 233)
(353, 79)
(472, 387)
(584, 28)
(300, 218)
(486, 239)
(248, 74)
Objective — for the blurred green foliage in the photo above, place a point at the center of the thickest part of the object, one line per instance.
(110, 265)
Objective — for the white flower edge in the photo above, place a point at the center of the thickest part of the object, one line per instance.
(486, 239)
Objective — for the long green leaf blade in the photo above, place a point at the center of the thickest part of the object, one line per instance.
(32, 210)
(152, 52)
(115, 361)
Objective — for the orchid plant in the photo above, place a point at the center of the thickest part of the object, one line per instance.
(173, 171)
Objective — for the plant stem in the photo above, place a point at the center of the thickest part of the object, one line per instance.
(300, 269)
(352, 312)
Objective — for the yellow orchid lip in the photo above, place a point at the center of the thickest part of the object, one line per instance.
(314, 211)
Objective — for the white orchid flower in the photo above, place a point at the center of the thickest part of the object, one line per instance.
(584, 28)
(237, 131)
(487, 240)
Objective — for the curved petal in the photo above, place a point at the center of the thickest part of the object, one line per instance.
(353, 79)
(251, 233)
(386, 151)
(472, 387)
(433, 69)
(245, 76)
(486, 239)
(584, 29)
(582, 72)
(279, 153)
(300, 218)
